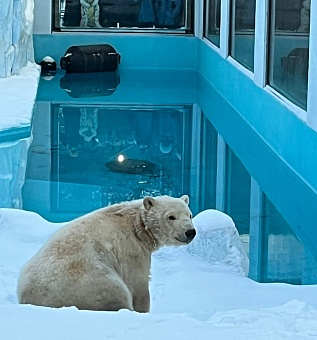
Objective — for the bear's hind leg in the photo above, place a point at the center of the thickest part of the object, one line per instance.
(141, 300)
(106, 292)
(118, 297)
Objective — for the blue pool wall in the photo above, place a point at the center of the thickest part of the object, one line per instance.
(138, 51)
(282, 144)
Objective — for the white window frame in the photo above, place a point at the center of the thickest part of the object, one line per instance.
(224, 28)
(261, 42)
(312, 70)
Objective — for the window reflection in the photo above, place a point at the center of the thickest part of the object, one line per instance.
(242, 32)
(289, 49)
(124, 13)
(213, 21)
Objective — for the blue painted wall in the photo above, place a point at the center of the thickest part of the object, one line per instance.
(137, 86)
(138, 51)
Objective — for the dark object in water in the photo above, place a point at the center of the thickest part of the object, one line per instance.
(131, 166)
(90, 58)
(48, 66)
(86, 85)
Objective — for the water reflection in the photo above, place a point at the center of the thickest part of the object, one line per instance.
(102, 155)
(87, 85)
(13, 160)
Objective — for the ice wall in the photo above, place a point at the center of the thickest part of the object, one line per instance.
(16, 41)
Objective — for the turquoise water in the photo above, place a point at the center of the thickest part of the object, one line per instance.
(101, 140)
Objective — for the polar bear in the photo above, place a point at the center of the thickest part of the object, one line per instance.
(101, 261)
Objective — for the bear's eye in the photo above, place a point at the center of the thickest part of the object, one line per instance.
(171, 217)
(190, 216)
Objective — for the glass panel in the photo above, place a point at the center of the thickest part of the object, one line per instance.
(238, 188)
(208, 161)
(144, 144)
(104, 154)
(213, 21)
(289, 49)
(242, 32)
(282, 252)
(136, 14)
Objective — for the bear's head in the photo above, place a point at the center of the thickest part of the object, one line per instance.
(169, 220)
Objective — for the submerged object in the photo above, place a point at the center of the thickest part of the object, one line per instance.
(90, 58)
(87, 85)
(131, 166)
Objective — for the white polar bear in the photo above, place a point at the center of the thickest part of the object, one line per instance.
(101, 261)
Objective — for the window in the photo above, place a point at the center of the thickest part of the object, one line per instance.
(282, 252)
(208, 171)
(238, 188)
(242, 32)
(123, 14)
(212, 29)
(289, 41)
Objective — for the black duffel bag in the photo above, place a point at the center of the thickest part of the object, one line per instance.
(90, 58)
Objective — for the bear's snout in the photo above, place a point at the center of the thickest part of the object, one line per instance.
(190, 234)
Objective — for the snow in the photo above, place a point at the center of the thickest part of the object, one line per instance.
(198, 291)
(217, 231)
(17, 97)
(192, 297)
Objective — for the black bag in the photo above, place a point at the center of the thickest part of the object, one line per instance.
(90, 58)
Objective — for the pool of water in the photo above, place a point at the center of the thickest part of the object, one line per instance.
(105, 154)
(100, 140)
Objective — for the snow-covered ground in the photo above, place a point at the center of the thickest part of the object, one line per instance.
(191, 297)
(17, 97)
(197, 291)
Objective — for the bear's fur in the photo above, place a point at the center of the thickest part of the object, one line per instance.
(101, 261)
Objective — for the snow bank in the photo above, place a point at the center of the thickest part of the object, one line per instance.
(17, 97)
(218, 241)
(22, 233)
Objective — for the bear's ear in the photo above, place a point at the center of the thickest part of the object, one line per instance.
(185, 198)
(148, 202)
